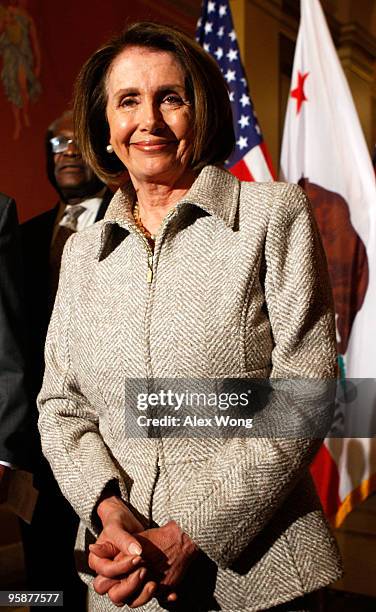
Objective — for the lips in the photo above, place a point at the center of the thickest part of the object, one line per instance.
(153, 145)
(71, 168)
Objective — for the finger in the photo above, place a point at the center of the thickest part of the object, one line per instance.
(104, 550)
(172, 597)
(107, 550)
(102, 585)
(110, 568)
(148, 591)
(127, 587)
(123, 540)
(164, 594)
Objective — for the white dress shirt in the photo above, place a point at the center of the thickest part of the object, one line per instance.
(86, 218)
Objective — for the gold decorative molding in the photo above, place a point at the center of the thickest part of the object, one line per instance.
(357, 50)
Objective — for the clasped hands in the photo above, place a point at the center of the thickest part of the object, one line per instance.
(134, 564)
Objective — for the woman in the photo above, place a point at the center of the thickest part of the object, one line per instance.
(190, 275)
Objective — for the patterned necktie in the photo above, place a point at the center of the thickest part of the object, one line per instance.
(67, 227)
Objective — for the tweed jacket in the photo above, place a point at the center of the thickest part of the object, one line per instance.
(237, 286)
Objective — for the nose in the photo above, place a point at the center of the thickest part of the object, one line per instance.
(151, 117)
(72, 149)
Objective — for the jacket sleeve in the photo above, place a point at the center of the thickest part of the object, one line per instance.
(68, 423)
(231, 499)
(14, 407)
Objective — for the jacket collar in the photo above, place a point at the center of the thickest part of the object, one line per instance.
(215, 191)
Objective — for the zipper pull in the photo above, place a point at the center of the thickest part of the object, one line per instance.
(149, 276)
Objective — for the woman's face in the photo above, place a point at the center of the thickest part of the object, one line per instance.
(149, 115)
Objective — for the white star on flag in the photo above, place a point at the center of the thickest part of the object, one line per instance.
(232, 55)
(218, 53)
(206, 47)
(230, 76)
(244, 100)
(243, 121)
(249, 160)
(242, 142)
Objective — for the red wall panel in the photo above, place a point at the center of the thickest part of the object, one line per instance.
(67, 32)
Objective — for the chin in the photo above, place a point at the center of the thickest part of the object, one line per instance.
(160, 172)
(77, 184)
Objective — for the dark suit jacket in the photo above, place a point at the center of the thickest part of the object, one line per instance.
(36, 236)
(14, 407)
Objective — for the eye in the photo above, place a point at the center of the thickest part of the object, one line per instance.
(172, 100)
(128, 102)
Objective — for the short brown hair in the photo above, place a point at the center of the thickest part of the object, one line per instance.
(213, 131)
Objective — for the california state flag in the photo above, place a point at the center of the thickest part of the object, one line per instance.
(324, 150)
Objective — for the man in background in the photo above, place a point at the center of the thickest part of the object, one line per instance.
(14, 406)
(83, 200)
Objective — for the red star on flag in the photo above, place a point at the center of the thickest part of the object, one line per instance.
(298, 92)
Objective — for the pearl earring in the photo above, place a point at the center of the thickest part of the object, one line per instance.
(110, 148)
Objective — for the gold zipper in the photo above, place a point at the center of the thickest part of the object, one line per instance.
(149, 276)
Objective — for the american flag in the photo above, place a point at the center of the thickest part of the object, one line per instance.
(250, 160)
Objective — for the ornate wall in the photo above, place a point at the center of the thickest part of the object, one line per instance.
(42, 46)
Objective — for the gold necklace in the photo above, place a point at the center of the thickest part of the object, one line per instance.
(140, 225)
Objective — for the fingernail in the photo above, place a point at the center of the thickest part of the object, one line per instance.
(135, 549)
(136, 560)
(142, 573)
(172, 597)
